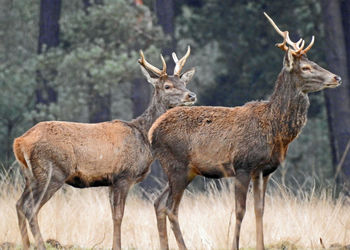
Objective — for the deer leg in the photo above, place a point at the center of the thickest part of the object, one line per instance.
(26, 206)
(241, 189)
(21, 217)
(259, 187)
(160, 209)
(177, 185)
(32, 216)
(37, 192)
(118, 194)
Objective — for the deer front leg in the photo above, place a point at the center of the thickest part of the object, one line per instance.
(118, 193)
(160, 209)
(241, 188)
(259, 187)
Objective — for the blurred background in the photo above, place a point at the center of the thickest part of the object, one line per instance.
(77, 61)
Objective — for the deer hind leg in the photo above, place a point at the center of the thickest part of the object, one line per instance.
(177, 185)
(118, 193)
(161, 212)
(36, 193)
(22, 218)
(259, 187)
(241, 189)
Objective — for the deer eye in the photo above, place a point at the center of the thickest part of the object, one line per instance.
(167, 86)
(306, 68)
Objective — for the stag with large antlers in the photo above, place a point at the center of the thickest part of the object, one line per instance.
(247, 142)
(114, 153)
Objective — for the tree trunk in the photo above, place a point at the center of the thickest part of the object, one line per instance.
(141, 92)
(49, 36)
(165, 15)
(140, 96)
(100, 107)
(337, 100)
(345, 11)
(49, 29)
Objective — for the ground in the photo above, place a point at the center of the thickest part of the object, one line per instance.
(81, 219)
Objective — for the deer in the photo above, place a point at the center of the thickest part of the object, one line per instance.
(115, 153)
(247, 142)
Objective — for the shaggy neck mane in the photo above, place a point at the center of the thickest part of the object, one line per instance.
(288, 108)
(147, 118)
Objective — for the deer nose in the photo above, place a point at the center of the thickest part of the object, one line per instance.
(191, 96)
(338, 79)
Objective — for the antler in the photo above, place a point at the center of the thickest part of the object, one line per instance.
(297, 48)
(180, 63)
(150, 67)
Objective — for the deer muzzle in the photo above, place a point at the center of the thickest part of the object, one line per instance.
(190, 99)
(336, 81)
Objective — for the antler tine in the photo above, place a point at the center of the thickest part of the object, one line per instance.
(291, 43)
(300, 48)
(309, 46)
(274, 25)
(180, 63)
(150, 67)
(285, 35)
(297, 48)
(164, 65)
(175, 57)
(298, 42)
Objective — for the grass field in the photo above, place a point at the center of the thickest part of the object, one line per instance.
(82, 218)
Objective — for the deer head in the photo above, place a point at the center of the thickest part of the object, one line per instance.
(309, 76)
(170, 88)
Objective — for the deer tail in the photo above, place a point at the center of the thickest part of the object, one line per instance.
(21, 155)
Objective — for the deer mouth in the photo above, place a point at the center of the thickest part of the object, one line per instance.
(185, 103)
(332, 85)
(188, 103)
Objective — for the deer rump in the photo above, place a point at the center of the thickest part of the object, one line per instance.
(217, 142)
(87, 155)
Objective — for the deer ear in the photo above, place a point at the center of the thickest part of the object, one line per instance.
(187, 76)
(150, 79)
(288, 60)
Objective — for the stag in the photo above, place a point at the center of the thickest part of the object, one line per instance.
(246, 142)
(114, 153)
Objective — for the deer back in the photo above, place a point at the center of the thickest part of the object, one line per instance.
(208, 137)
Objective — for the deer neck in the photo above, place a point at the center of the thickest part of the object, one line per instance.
(147, 118)
(289, 108)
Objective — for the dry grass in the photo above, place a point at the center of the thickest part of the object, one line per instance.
(82, 217)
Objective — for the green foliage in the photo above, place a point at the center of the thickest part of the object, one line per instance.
(98, 58)
(16, 98)
(18, 35)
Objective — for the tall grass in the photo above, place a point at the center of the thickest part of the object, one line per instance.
(82, 217)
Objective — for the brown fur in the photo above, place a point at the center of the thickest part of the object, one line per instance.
(247, 142)
(115, 154)
(108, 145)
